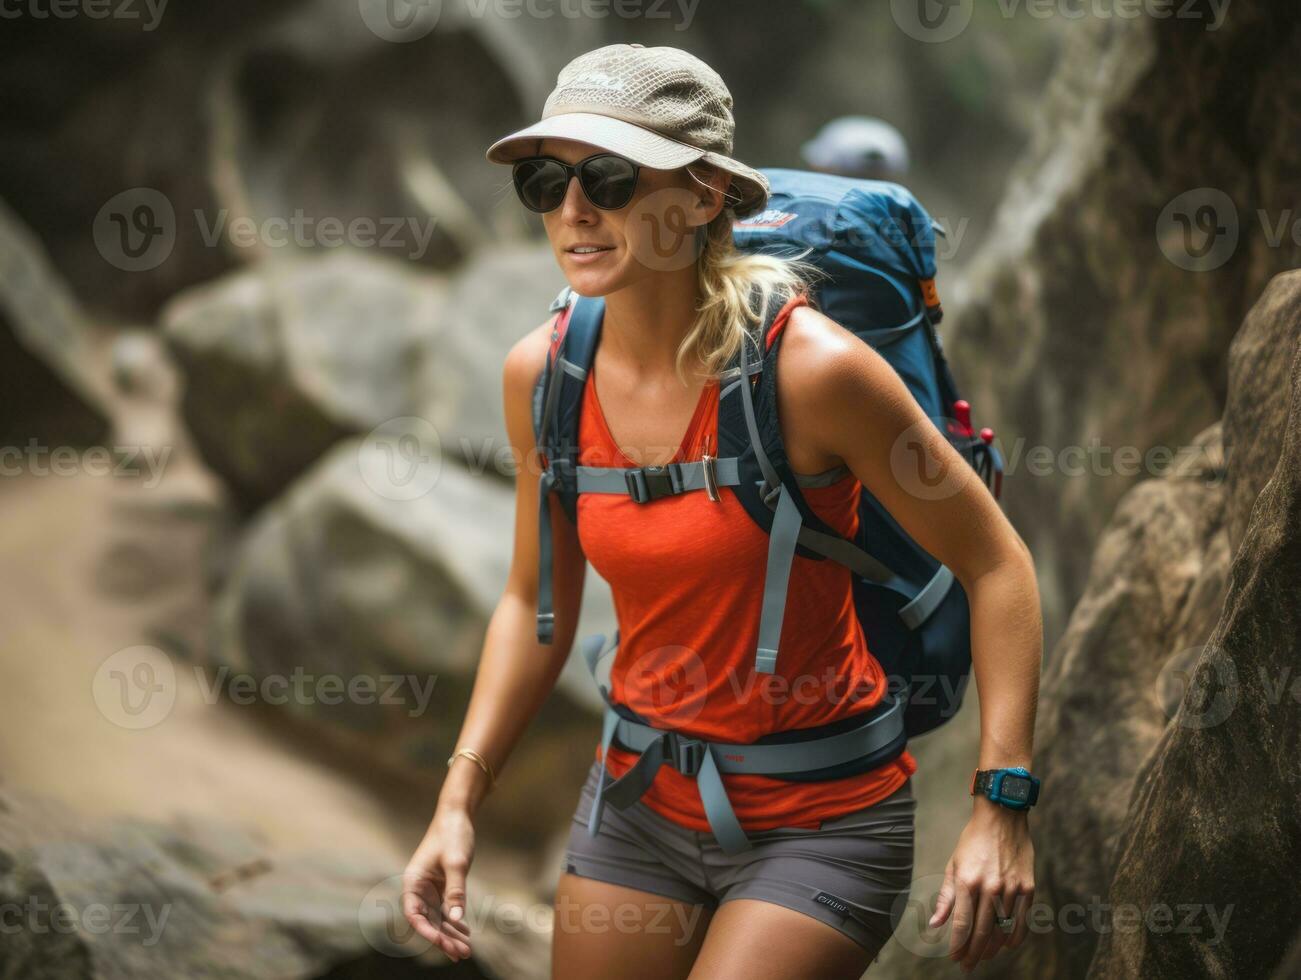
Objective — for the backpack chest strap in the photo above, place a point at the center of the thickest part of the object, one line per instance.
(646, 483)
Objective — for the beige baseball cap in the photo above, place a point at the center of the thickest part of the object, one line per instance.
(661, 107)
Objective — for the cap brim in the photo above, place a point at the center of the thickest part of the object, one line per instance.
(640, 145)
(637, 144)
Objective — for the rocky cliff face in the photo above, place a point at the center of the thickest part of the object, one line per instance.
(1158, 198)
(1168, 718)
(1214, 822)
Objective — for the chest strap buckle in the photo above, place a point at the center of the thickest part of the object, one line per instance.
(647, 483)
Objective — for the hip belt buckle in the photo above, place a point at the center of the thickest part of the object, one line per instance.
(687, 754)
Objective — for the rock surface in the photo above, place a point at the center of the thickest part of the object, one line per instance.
(1215, 822)
(1088, 319)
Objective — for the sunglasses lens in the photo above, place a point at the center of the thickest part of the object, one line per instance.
(609, 181)
(540, 184)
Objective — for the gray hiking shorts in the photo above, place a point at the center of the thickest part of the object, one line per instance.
(853, 872)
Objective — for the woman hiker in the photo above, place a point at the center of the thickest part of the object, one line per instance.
(630, 168)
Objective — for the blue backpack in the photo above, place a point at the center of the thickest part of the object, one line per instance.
(877, 245)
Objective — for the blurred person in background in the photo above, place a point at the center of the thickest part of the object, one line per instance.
(858, 146)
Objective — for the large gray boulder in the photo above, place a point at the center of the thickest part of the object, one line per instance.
(380, 568)
(283, 359)
(130, 899)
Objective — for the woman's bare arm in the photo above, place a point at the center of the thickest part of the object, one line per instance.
(514, 677)
(868, 419)
(516, 672)
(857, 410)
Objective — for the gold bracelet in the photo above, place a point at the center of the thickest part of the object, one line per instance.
(483, 763)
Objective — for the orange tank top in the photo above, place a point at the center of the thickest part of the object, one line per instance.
(687, 574)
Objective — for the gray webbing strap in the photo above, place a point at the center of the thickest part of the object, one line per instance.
(782, 537)
(928, 599)
(706, 761)
(546, 615)
(683, 476)
(786, 523)
(609, 721)
(847, 554)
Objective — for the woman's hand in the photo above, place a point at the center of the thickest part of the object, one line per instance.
(433, 885)
(989, 876)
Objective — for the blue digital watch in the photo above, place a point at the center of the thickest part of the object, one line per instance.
(1014, 788)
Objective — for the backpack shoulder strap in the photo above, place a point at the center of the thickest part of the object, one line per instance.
(558, 399)
(770, 492)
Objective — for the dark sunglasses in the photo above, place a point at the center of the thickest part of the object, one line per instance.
(608, 180)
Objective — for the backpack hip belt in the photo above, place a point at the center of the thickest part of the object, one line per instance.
(872, 740)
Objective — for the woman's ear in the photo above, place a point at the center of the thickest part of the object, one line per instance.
(710, 190)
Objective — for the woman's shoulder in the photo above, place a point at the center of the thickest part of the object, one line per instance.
(817, 352)
(526, 358)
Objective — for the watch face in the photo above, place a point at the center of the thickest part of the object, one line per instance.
(1015, 788)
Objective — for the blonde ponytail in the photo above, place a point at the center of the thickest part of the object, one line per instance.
(735, 287)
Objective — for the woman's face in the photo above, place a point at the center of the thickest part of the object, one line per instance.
(654, 234)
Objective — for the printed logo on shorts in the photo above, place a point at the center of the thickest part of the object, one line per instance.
(839, 904)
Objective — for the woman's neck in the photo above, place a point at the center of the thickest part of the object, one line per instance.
(646, 322)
